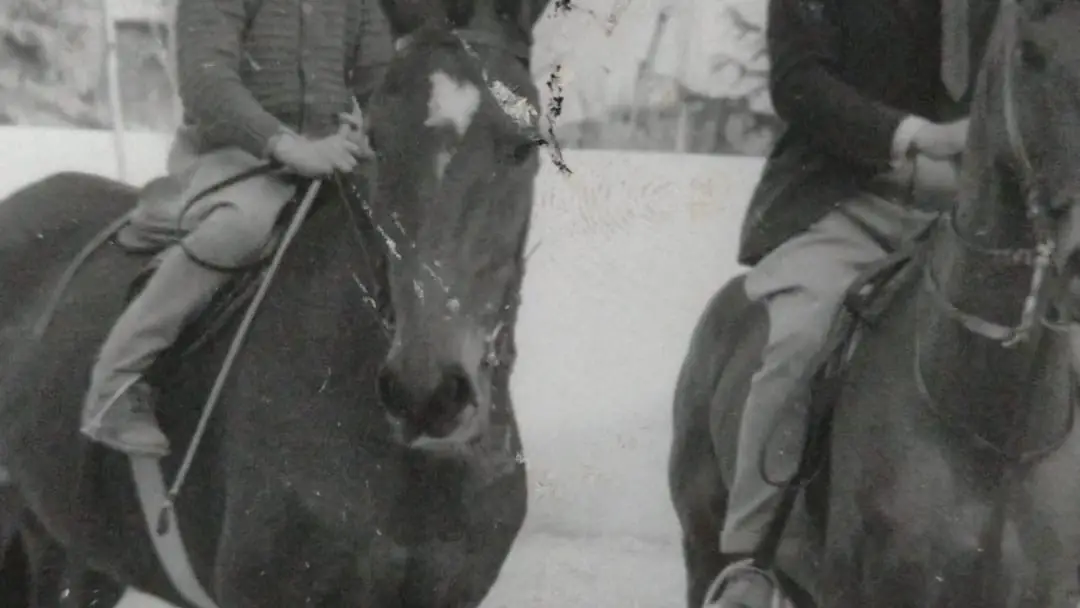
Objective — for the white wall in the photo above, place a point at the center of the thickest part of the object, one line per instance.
(630, 248)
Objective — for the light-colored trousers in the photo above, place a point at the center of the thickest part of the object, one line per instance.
(227, 229)
(802, 284)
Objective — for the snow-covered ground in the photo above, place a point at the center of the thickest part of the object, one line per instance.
(630, 248)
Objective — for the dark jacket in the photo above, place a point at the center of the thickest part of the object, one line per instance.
(844, 73)
(249, 68)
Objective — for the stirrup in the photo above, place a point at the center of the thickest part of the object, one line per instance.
(716, 589)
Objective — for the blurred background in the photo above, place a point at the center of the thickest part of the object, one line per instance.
(683, 76)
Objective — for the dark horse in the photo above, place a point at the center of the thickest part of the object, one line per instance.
(949, 478)
(365, 450)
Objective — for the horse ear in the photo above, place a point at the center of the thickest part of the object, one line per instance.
(404, 16)
(407, 15)
(524, 12)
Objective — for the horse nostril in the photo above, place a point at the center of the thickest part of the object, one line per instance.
(392, 393)
(455, 390)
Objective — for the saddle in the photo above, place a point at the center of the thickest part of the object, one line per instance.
(150, 232)
(867, 301)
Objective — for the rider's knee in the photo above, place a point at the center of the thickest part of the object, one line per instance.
(800, 329)
(230, 237)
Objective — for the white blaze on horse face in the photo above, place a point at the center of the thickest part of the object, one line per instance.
(452, 103)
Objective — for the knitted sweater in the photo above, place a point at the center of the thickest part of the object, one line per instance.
(251, 69)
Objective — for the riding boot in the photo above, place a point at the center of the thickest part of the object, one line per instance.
(126, 422)
(119, 409)
(744, 586)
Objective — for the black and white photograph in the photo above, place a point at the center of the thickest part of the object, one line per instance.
(539, 303)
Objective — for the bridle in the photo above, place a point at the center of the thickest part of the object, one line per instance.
(518, 109)
(1040, 257)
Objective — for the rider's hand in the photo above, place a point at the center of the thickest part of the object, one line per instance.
(352, 126)
(317, 158)
(941, 141)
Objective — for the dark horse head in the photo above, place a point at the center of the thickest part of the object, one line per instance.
(456, 156)
(1026, 141)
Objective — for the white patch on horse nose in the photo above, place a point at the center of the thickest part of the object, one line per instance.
(451, 103)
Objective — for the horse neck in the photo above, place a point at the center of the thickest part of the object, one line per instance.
(1015, 398)
(332, 266)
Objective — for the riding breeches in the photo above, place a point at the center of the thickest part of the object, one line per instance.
(802, 284)
(227, 229)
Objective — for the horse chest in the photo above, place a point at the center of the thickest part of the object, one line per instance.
(941, 515)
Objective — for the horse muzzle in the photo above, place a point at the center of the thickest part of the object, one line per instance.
(443, 415)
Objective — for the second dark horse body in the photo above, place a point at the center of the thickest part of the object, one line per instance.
(948, 478)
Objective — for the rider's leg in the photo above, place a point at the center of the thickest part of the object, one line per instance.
(802, 284)
(118, 411)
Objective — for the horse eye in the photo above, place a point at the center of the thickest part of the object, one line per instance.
(1031, 55)
(522, 151)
